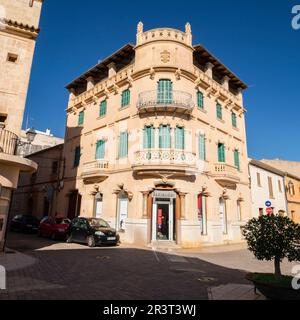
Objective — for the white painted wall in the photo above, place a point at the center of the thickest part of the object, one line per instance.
(261, 194)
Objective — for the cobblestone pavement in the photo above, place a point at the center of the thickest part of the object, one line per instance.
(43, 269)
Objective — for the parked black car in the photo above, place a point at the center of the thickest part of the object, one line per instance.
(25, 223)
(92, 231)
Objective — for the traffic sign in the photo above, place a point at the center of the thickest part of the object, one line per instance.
(268, 204)
(269, 210)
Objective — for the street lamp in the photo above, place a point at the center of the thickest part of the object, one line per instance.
(22, 145)
(30, 134)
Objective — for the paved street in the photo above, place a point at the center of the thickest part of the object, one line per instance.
(43, 269)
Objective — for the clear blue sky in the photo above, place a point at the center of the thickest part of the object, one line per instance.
(252, 38)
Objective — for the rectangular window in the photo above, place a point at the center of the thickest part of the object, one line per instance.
(164, 137)
(260, 212)
(279, 186)
(103, 108)
(179, 138)
(234, 120)
(239, 211)
(221, 152)
(149, 137)
(237, 159)
(12, 57)
(125, 101)
(100, 150)
(270, 182)
(258, 179)
(123, 145)
(77, 156)
(219, 112)
(165, 91)
(54, 167)
(81, 118)
(202, 147)
(200, 100)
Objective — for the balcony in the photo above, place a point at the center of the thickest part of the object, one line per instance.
(8, 142)
(95, 171)
(165, 161)
(226, 175)
(176, 102)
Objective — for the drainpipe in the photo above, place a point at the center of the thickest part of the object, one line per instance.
(285, 192)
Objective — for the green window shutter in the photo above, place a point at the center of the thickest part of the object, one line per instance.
(149, 137)
(164, 137)
(237, 159)
(165, 92)
(179, 138)
(234, 122)
(81, 118)
(221, 152)
(125, 98)
(202, 147)
(200, 100)
(77, 156)
(100, 150)
(123, 145)
(219, 112)
(103, 108)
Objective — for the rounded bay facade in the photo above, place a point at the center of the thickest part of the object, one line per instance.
(156, 145)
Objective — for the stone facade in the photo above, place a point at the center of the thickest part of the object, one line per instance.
(19, 21)
(291, 170)
(37, 192)
(43, 140)
(267, 184)
(17, 38)
(170, 187)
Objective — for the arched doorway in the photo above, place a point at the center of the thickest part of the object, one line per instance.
(223, 215)
(123, 210)
(98, 208)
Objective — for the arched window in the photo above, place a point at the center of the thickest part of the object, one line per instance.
(165, 91)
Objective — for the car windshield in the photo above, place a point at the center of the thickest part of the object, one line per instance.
(99, 223)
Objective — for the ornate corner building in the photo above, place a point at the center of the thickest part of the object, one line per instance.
(19, 28)
(155, 144)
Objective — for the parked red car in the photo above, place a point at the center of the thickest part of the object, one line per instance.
(54, 228)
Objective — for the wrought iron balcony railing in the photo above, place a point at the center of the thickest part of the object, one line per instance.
(165, 156)
(178, 101)
(8, 142)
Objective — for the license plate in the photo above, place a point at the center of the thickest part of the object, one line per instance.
(61, 230)
(111, 238)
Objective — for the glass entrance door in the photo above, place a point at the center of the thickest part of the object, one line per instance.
(163, 222)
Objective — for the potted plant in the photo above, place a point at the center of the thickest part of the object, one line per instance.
(274, 238)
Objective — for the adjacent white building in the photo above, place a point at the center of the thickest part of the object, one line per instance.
(267, 184)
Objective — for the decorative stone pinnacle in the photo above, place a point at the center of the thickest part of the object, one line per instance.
(140, 27)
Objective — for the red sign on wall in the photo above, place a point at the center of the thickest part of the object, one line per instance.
(159, 218)
(269, 210)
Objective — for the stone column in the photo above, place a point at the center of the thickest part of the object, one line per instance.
(182, 204)
(209, 70)
(145, 204)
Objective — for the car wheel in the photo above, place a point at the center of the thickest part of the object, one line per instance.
(69, 239)
(91, 242)
(53, 236)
